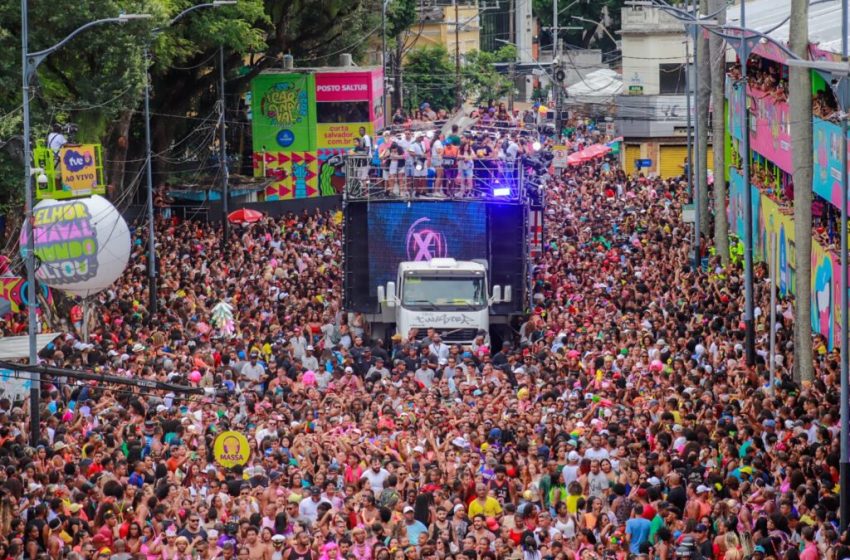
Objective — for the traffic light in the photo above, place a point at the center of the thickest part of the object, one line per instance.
(559, 73)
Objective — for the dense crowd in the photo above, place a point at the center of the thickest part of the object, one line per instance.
(621, 422)
(768, 82)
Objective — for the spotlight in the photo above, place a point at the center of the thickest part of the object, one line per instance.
(536, 146)
(502, 191)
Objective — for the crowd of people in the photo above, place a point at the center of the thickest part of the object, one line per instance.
(768, 82)
(456, 165)
(621, 421)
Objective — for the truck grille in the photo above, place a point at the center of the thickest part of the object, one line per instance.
(451, 336)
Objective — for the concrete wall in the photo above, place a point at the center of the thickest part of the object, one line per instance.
(650, 37)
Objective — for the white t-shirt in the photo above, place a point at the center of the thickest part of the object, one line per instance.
(596, 454)
(310, 509)
(570, 474)
(254, 372)
(376, 479)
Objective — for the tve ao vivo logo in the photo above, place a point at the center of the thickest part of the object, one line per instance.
(75, 161)
(424, 243)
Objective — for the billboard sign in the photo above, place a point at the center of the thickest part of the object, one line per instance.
(282, 107)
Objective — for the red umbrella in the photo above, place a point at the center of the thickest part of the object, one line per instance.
(244, 216)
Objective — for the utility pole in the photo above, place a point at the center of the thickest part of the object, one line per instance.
(555, 59)
(153, 300)
(512, 65)
(844, 460)
(717, 54)
(458, 101)
(32, 329)
(703, 97)
(697, 191)
(689, 171)
(225, 203)
(749, 324)
(800, 96)
(384, 62)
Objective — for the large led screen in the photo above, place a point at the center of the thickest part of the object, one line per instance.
(420, 231)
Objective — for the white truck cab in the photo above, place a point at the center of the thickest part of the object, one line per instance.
(443, 294)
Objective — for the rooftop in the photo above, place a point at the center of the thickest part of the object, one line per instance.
(763, 15)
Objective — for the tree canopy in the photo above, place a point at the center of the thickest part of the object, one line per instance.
(96, 81)
(606, 12)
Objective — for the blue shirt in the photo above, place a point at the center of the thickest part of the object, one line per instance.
(414, 531)
(638, 530)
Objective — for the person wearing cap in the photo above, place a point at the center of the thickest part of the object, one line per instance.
(309, 361)
(424, 374)
(308, 508)
(414, 529)
(278, 542)
(377, 371)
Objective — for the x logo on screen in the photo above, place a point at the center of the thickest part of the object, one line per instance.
(424, 243)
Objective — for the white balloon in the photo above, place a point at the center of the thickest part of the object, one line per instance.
(82, 245)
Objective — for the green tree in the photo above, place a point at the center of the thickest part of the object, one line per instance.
(606, 12)
(87, 82)
(480, 78)
(401, 37)
(430, 76)
(97, 80)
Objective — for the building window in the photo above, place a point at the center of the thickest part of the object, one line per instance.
(672, 79)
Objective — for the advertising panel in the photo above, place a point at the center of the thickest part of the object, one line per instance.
(342, 86)
(771, 223)
(341, 135)
(735, 95)
(343, 106)
(827, 177)
(772, 136)
(79, 171)
(420, 231)
(283, 109)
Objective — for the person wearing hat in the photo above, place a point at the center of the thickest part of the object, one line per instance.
(309, 361)
(414, 528)
(308, 508)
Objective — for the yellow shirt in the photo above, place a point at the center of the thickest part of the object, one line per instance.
(490, 508)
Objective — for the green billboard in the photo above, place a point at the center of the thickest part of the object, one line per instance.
(283, 107)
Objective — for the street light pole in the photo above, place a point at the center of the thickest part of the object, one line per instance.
(35, 389)
(153, 300)
(29, 65)
(152, 289)
(225, 203)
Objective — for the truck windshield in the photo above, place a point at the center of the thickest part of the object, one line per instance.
(443, 292)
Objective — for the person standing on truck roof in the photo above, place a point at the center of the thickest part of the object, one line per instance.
(437, 148)
(406, 179)
(420, 164)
